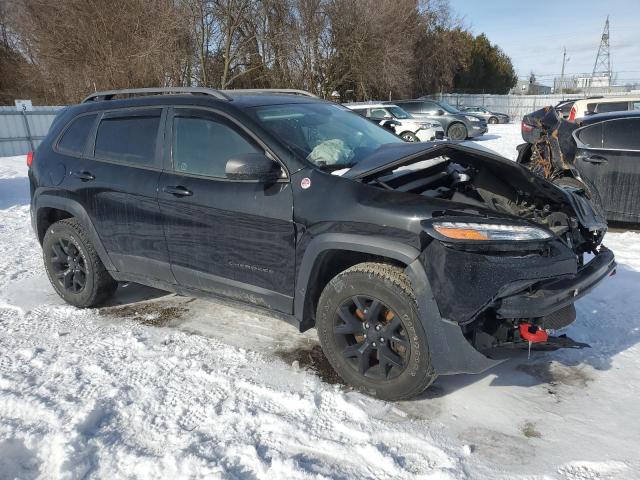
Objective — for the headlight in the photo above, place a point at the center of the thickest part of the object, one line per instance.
(472, 119)
(489, 231)
(436, 125)
(424, 125)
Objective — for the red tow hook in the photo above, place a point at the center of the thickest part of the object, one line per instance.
(532, 334)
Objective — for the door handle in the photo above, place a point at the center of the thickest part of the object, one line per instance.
(178, 191)
(84, 176)
(595, 159)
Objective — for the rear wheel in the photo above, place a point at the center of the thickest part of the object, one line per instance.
(409, 137)
(457, 131)
(493, 120)
(370, 332)
(74, 267)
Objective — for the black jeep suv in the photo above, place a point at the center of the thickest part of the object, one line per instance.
(412, 260)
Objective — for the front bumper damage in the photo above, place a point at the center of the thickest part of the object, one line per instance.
(458, 290)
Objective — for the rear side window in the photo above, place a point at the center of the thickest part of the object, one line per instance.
(202, 146)
(75, 136)
(622, 134)
(635, 105)
(430, 107)
(612, 107)
(130, 139)
(378, 113)
(411, 107)
(591, 136)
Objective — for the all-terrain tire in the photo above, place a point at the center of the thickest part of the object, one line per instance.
(457, 131)
(98, 283)
(388, 284)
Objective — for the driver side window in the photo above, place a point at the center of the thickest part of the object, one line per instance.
(203, 145)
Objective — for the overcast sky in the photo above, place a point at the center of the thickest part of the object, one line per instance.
(533, 33)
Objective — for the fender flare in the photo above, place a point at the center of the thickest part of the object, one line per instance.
(78, 212)
(350, 242)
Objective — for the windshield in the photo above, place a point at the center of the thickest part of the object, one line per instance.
(445, 106)
(329, 136)
(399, 113)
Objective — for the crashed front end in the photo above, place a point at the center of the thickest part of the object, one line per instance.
(506, 253)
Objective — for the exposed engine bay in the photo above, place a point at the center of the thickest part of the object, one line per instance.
(465, 180)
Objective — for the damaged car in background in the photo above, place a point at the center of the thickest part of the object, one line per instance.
(598, 155)
(411, 260)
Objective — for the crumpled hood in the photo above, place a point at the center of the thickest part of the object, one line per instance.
(392, 156)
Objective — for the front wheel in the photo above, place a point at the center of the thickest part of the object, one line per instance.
(74, 267)
(493, 120)
(457, 131)
(370, 331)
(409, 137)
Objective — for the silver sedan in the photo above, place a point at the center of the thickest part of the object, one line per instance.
(488, 115)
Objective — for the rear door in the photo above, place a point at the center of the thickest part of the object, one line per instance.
(234, 238)
(609, 155)
(117, 184)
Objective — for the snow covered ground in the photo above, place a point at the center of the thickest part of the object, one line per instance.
(161, 386)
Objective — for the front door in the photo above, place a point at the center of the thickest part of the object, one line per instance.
(609, 156)
(234, 238)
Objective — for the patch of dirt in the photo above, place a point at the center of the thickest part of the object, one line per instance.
(312, 359)
(529, 430)
(155, 314)
(555, 373)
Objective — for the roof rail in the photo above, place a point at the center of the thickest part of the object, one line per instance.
(286, 91)
(109, 94)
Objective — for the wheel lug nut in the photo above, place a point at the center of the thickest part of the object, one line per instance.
(366, 325)
(378, 327)
(374, 344)
(381, 340)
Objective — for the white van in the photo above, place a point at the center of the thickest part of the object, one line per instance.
(588, 106)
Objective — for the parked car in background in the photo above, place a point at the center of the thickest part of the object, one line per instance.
(600, 153)
(589, 106)
(407, 127)
(489, 115)
(457, 125)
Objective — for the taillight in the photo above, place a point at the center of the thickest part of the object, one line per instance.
(29, 159)
(572, 114)
(525, 127)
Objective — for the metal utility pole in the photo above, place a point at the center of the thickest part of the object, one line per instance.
(564, 60)
(602, 67)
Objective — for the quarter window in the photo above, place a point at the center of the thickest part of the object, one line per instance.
(75, 136)
(622, 134)
(202, 146)
(130, 139)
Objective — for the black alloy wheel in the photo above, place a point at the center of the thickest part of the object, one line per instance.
(372, 338)
(68, 265)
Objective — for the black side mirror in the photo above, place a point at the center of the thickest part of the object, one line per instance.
(440, 112)
(253, 166)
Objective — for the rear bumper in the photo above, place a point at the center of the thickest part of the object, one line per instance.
(549, 296)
